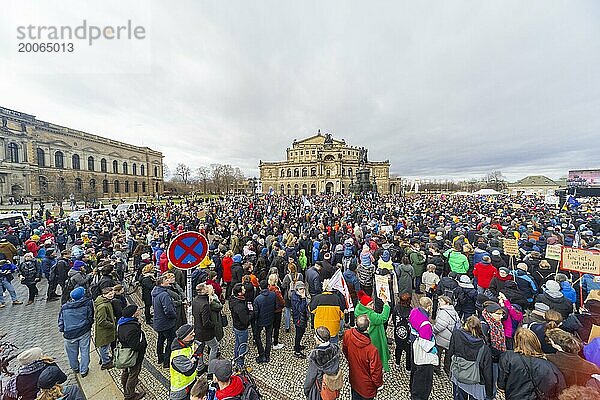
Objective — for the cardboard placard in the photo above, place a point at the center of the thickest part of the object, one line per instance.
(579, 260)
(387, 229)
(382, 285)
(554, 252)
(201, 214)
(510, 247)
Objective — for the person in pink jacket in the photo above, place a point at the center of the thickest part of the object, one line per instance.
(512, 320)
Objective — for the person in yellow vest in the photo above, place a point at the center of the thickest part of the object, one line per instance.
(184, 363)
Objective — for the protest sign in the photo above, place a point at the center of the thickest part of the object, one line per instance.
(510, 247)
(553, 252)
(382, 286)
(579, 260)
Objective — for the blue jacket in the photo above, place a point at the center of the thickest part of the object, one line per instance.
(299, 310)
(315, 252)
(76, 318)
(351, 279)
(165, 316)
(589, 283)
(568, 291)
(264, 307)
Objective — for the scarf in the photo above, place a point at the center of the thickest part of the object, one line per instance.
(497, 339)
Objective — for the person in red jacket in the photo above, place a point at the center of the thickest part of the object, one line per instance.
(484, 271)
(226, 263)
(163, 262)
(364, 363)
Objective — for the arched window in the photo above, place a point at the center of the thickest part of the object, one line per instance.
(93, 184)
(304, 190)
(313, 189)
(155, 171)
(282, 188)
(350, 172)
(289, 173)
(343, 171)
(135, 186)
(142, 170)
(304, 172)
(313, 171)
(289, 189)
(296, 189)
(78, 184)
(115, 167)
(125, 168)
(41, 158)
(13, 152)
(282, 172)
(126, 186)
(157, 187)
(75, 161)
(117, 187)
(43, 182)
(59, 159)
(104, 186)
(134, 169)
(103, 167)
(90, 163)
(143, 187)
(296, 173)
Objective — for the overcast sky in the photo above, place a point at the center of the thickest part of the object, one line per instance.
(440, 88)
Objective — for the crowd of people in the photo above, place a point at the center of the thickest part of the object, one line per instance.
(420, 281)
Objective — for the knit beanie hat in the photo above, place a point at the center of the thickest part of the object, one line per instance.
(183, 331)
(77, 293)
(129, 310)
(364, 298)
(552, 286)
(237, 258)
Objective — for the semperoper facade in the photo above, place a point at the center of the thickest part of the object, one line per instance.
(41, 160)
(321, 164)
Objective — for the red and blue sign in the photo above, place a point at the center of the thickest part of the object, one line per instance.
(187, 250)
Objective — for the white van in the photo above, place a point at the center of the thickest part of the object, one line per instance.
(13, 220)
(126, 207)
(92, 212)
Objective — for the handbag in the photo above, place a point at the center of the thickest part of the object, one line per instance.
(224, 321)
(124, 357)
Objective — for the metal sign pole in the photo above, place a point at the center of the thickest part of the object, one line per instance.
(189, 296)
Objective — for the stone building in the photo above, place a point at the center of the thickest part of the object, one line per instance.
(41, 160)
(321, 164)
(533, 185)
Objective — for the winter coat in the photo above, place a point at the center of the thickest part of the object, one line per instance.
(78, 278)
(541, 275)
(105, 324)
(76, 317)
(364, 363)
(568, 291)
(287, 286)
(215, 315)
(462, 344)
(417, 260)
(458, 262)
(313, 281)
(560, 304)
(484, 273)
(148, 282)
(31, 271)
(404, 276)
(237, 272)
(240, 314)
(322, 360)
(575, 369)
(466, 298)
(377, 330)
(9, 250)
(327, 308)
(264, 307)
(204, 328)
(280, 301)
(444, 325)
(165, 315)
(131, 336)
(514, 371)
(27, 383)
(497, 283)
(226, 263)
(299, 310)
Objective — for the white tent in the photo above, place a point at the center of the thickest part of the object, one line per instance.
(486, 192)
(461, 193)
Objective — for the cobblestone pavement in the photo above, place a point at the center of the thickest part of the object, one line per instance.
(283, 377)
(34, 325)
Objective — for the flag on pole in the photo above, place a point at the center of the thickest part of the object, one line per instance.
(305, 202)
(338, 283)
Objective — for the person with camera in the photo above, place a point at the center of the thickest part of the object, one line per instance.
(228, 385)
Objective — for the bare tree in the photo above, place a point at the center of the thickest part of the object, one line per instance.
(183, 172)
(496, 180)
(203, 175)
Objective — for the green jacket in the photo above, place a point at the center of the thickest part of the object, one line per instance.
(377, 330)
(105, 326)
(458, 261)
(418, 262)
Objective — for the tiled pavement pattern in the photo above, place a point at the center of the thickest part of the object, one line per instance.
(283, 377)
(34, 325)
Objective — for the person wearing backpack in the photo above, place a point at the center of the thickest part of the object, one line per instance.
(288, 287)
(525, 374)
(447, 320)
(323, 368)
(30, 274)
(471, 365)
(402, 330)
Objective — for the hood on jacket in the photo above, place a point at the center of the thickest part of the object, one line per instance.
(348, 250)
(76, 303)
(157, 290)
(361, 340)
(327, 358)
